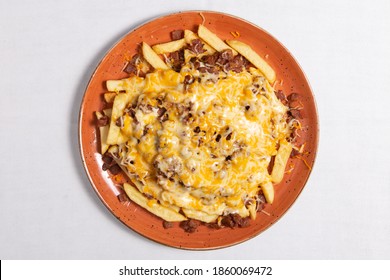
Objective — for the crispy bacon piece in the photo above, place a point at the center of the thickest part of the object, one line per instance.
(190, 225)
(196, 46)
(234, 220)
(167, 224)
(177, 59)
(281, 96)
(131, 67)
(177, 34)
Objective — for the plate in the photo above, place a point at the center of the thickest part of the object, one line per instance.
(290, 78)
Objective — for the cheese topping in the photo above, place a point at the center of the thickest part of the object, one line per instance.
(204, 145)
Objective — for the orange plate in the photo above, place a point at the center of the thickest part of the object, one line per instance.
(290, 78)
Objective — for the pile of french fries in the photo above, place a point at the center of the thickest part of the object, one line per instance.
(120, 92)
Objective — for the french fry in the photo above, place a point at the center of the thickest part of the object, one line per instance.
(109, 96)
(153, 207)
(189, 36)
(130, 85)
(107, 112)
(103, 131)
(200, 215)
(181, 199)
(247, 52)
(252, 211)
(268, 191)
(213, 40)
(281, 159)
(169, 47)
(152, 58)
(115, 136)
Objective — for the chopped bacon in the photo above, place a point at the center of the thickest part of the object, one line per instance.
(177, 34)
(234, 220)
(167, 224)
(281, 96)
(236, 64)
(188, 79)
(122, 197)
(115, 169)
(107, 159)
(293, 97)
(162, 114)
(190, 225)
(196, 46)
(227, 54)
(131, 67)
(295, 113)
(211, 59)
(177, 59)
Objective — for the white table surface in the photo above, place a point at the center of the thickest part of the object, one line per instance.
(49, 49)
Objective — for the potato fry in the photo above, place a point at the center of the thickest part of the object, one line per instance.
(133, 84)
(200, 215)
(152, 58)
(247, 52)
(107, 112)
(180, 198)
(153, 207)
(252, 211)
(189, 36)
(115, 136)
(213, 40)
(268, 191)
(109, 96)
(103, 131)
(169, 47)
(280, 163)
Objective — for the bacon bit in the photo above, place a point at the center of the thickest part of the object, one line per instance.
(167, 225)
(177, 34)
(235, 34)
(122, 198)
(304, 161)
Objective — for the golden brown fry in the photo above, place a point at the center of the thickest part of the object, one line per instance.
(213, 40)
(280, 163)
(109, 96)
(152, 58)
(169, 47)
(115, 136)
(268, 191)
(103, 131)
(152, 205)
(200, 215)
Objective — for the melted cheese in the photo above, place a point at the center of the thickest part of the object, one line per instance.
(212, 151)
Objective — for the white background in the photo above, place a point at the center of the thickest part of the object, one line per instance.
(48, 51)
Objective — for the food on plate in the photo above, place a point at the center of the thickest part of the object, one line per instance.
(254, 58)
(199, 130)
